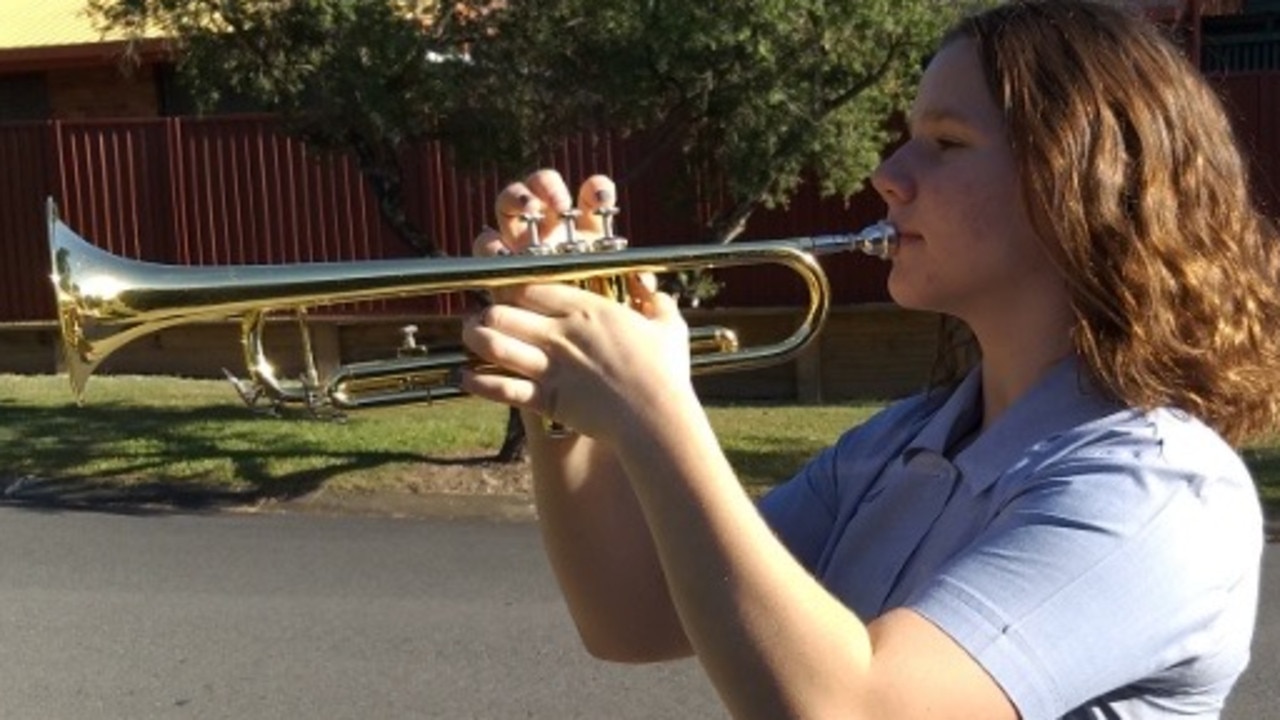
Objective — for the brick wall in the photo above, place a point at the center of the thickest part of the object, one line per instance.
(103, 92)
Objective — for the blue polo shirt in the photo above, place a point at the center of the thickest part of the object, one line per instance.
(1097, 561)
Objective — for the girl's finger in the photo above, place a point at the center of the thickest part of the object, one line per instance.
(504, 348)
(597, 194)
(556, 300)
(643, 284)
(663, 308)
(489, 243)
(642, 289)
(549, 187)
(505, 389)
(512, 207)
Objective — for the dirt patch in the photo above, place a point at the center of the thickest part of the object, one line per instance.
(466, 476)
(457, 489)
(464, 487)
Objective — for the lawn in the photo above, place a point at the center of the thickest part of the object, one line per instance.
(178, 433)
(153, 430)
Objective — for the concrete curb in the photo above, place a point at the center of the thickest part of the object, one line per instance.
(162, 498)
(34, 492)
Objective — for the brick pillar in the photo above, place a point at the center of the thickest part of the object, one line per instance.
(327, 348)
(809, 374)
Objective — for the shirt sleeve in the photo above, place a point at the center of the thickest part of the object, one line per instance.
(805, 510)
(1106, 568)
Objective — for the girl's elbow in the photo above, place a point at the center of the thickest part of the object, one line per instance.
(632, 646)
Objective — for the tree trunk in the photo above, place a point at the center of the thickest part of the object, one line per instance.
(380, 166)
(729, 224)
(513, 445)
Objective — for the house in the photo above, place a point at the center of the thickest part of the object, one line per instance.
(55, 64)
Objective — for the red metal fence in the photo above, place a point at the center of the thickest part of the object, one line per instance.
(1253, 99)
(235, 190)
(26, 174)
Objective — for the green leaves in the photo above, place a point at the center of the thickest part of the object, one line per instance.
(326, 65)
(759, 93)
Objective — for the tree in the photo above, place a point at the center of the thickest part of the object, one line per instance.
(755, 95)
(357, 76)
(348, 75)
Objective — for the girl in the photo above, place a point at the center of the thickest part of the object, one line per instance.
(1064, 532)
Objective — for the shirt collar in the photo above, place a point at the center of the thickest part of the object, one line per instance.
(953, 420)
(1062, 399)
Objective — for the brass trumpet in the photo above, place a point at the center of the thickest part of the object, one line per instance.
(105, 301)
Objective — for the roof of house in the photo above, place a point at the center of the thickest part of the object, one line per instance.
(37, 34)
(46, 23)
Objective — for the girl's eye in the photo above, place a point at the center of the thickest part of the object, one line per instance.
(946, 143)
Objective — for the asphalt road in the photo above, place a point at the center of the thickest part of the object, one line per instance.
(286, 616)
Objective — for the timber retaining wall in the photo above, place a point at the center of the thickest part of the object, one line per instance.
(864, 352)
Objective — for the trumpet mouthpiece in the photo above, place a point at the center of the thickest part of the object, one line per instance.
(878, 240)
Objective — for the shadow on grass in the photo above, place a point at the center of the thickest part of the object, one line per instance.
(768, 462)
(1264, 464)
(131, 459)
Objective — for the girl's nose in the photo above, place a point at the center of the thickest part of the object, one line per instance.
(891, 180)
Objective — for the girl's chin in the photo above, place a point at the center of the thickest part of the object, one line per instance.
(906, 293)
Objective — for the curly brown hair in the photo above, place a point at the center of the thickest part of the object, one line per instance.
(1133, 176)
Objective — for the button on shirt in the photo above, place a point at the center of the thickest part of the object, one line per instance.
(1097, 561)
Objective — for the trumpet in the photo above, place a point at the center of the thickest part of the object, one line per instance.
(105, 301)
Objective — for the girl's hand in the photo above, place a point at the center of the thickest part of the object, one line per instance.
(545, 194)
(568, 354)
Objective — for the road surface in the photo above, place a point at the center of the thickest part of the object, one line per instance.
(157, 615)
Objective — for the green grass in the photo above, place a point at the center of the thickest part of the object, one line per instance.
(161, 431)
(1263, 460)
(768, 443)
(166, 431)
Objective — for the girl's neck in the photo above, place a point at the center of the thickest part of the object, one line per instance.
(1012, 365)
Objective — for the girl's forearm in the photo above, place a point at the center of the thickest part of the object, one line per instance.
(773, 641)
(600, 549)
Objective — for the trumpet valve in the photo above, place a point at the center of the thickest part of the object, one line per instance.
(536, 246)
(609, 244)
(409, 342)
(571, 242)
(606, 213)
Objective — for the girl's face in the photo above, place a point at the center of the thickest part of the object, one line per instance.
(966, 244)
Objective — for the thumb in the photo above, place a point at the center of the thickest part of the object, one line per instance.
(649, 301)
